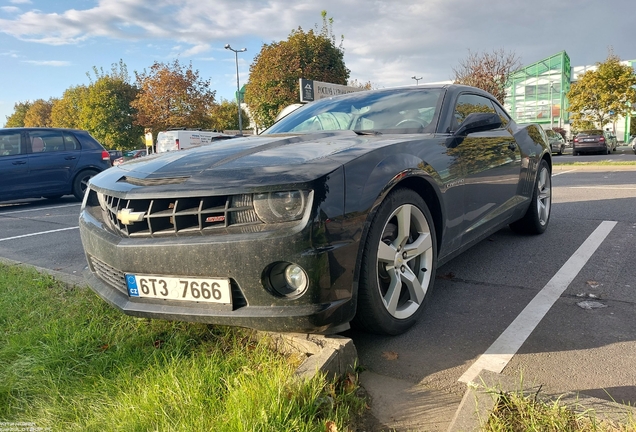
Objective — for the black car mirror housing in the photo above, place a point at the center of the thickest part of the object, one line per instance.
(478, 122)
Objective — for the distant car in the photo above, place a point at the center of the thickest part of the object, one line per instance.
(593, 141)
(557, 143)
(48, 162)
(129, 155)
(115, 154)
(632, 143)
(342, 210)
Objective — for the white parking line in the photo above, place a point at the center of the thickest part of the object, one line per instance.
(601, 187)
(562, 172)
(36, 209)
(506, 346)
(38, 233)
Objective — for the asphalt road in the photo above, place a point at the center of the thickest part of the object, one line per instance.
(481, 293)
(477, 297)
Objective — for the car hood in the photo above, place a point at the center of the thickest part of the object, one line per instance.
(247, 163)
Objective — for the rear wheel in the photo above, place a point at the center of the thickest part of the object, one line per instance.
(398, 265)
(80, 183)
(536, 219)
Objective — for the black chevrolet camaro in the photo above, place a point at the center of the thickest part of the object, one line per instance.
(339, 213)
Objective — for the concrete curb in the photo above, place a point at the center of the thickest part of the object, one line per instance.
(334, 355)
(483, 393)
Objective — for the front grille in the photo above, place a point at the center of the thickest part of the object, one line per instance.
(109, 274)
(117, 279)
(177, 216)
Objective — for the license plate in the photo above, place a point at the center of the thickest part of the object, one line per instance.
(589, 139)
(213, 290)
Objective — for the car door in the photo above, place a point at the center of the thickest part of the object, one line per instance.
(51, 164)
(492, 166)
(14, 165)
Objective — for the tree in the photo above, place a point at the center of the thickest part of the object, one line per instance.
(488, 71)
(172, 96)
(224, 116)
(365, 86)
(39, 113)
(106, 110)
(67, 110)
(19, 111)
(274, 75)
(603, 95)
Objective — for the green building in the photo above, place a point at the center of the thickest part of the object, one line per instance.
(536, 93)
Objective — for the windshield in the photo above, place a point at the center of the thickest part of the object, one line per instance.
(387, 111)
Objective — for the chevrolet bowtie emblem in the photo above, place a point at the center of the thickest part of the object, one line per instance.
(129, 217)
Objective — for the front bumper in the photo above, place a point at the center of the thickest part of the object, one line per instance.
(326, 306)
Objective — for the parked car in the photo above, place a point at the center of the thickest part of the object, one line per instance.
(557, 143)
(181, 139)
(115, 154)
(343, 210)
(129, 155)
(48, 162)
(593, 141)
(633, 144)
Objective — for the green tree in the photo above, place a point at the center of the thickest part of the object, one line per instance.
(19, 111)
(274, 75)
(603, 95)
(106, 110)
(67, 110)
(224, 116)
(39, 113)
(488, 71)
(172, 96)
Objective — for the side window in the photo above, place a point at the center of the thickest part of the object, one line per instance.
(468, 104)
(10, 144)
(70, 142)
(46, 141)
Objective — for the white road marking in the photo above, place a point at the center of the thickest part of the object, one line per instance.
(506, 346)
(36, 209)
(38, 233)
(601, 187)
(563, 172)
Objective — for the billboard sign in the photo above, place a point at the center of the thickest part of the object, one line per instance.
(311, 90)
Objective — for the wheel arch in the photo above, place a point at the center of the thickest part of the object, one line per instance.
(421, 183)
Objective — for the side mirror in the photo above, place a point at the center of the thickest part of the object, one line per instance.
(478, 122)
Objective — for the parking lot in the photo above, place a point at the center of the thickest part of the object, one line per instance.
(585, 341)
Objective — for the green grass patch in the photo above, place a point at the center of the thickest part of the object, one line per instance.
(70, 362)
(516, 412)
(592, 163)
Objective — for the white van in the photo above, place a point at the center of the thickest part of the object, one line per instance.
(182, 139)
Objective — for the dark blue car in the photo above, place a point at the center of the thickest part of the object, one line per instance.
(48, 162)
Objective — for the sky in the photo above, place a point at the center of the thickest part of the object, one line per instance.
(48, 46)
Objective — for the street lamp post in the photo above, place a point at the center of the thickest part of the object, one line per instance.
(417, 79)
(238, 89)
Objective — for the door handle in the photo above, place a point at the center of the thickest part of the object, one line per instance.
(512, 146)
(19, 163)
(70, 157)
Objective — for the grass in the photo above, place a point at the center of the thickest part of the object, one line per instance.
(516, 412)
(70, 362)
(602, 162)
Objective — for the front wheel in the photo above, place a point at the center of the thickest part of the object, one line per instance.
(536, 219)
(80, 183)
(398, 265)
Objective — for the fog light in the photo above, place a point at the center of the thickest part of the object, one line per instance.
(296, 277)
(287, 279)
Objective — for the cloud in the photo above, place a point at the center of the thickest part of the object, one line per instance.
(385, 42)
(10, 9)
(20, 1)
(55, 63)
(12, 54)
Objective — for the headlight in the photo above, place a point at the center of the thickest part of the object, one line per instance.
(272, 207)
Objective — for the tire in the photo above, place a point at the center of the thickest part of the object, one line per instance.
(401, 247)
(560, 152)
(81, 182)
(537, 217)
